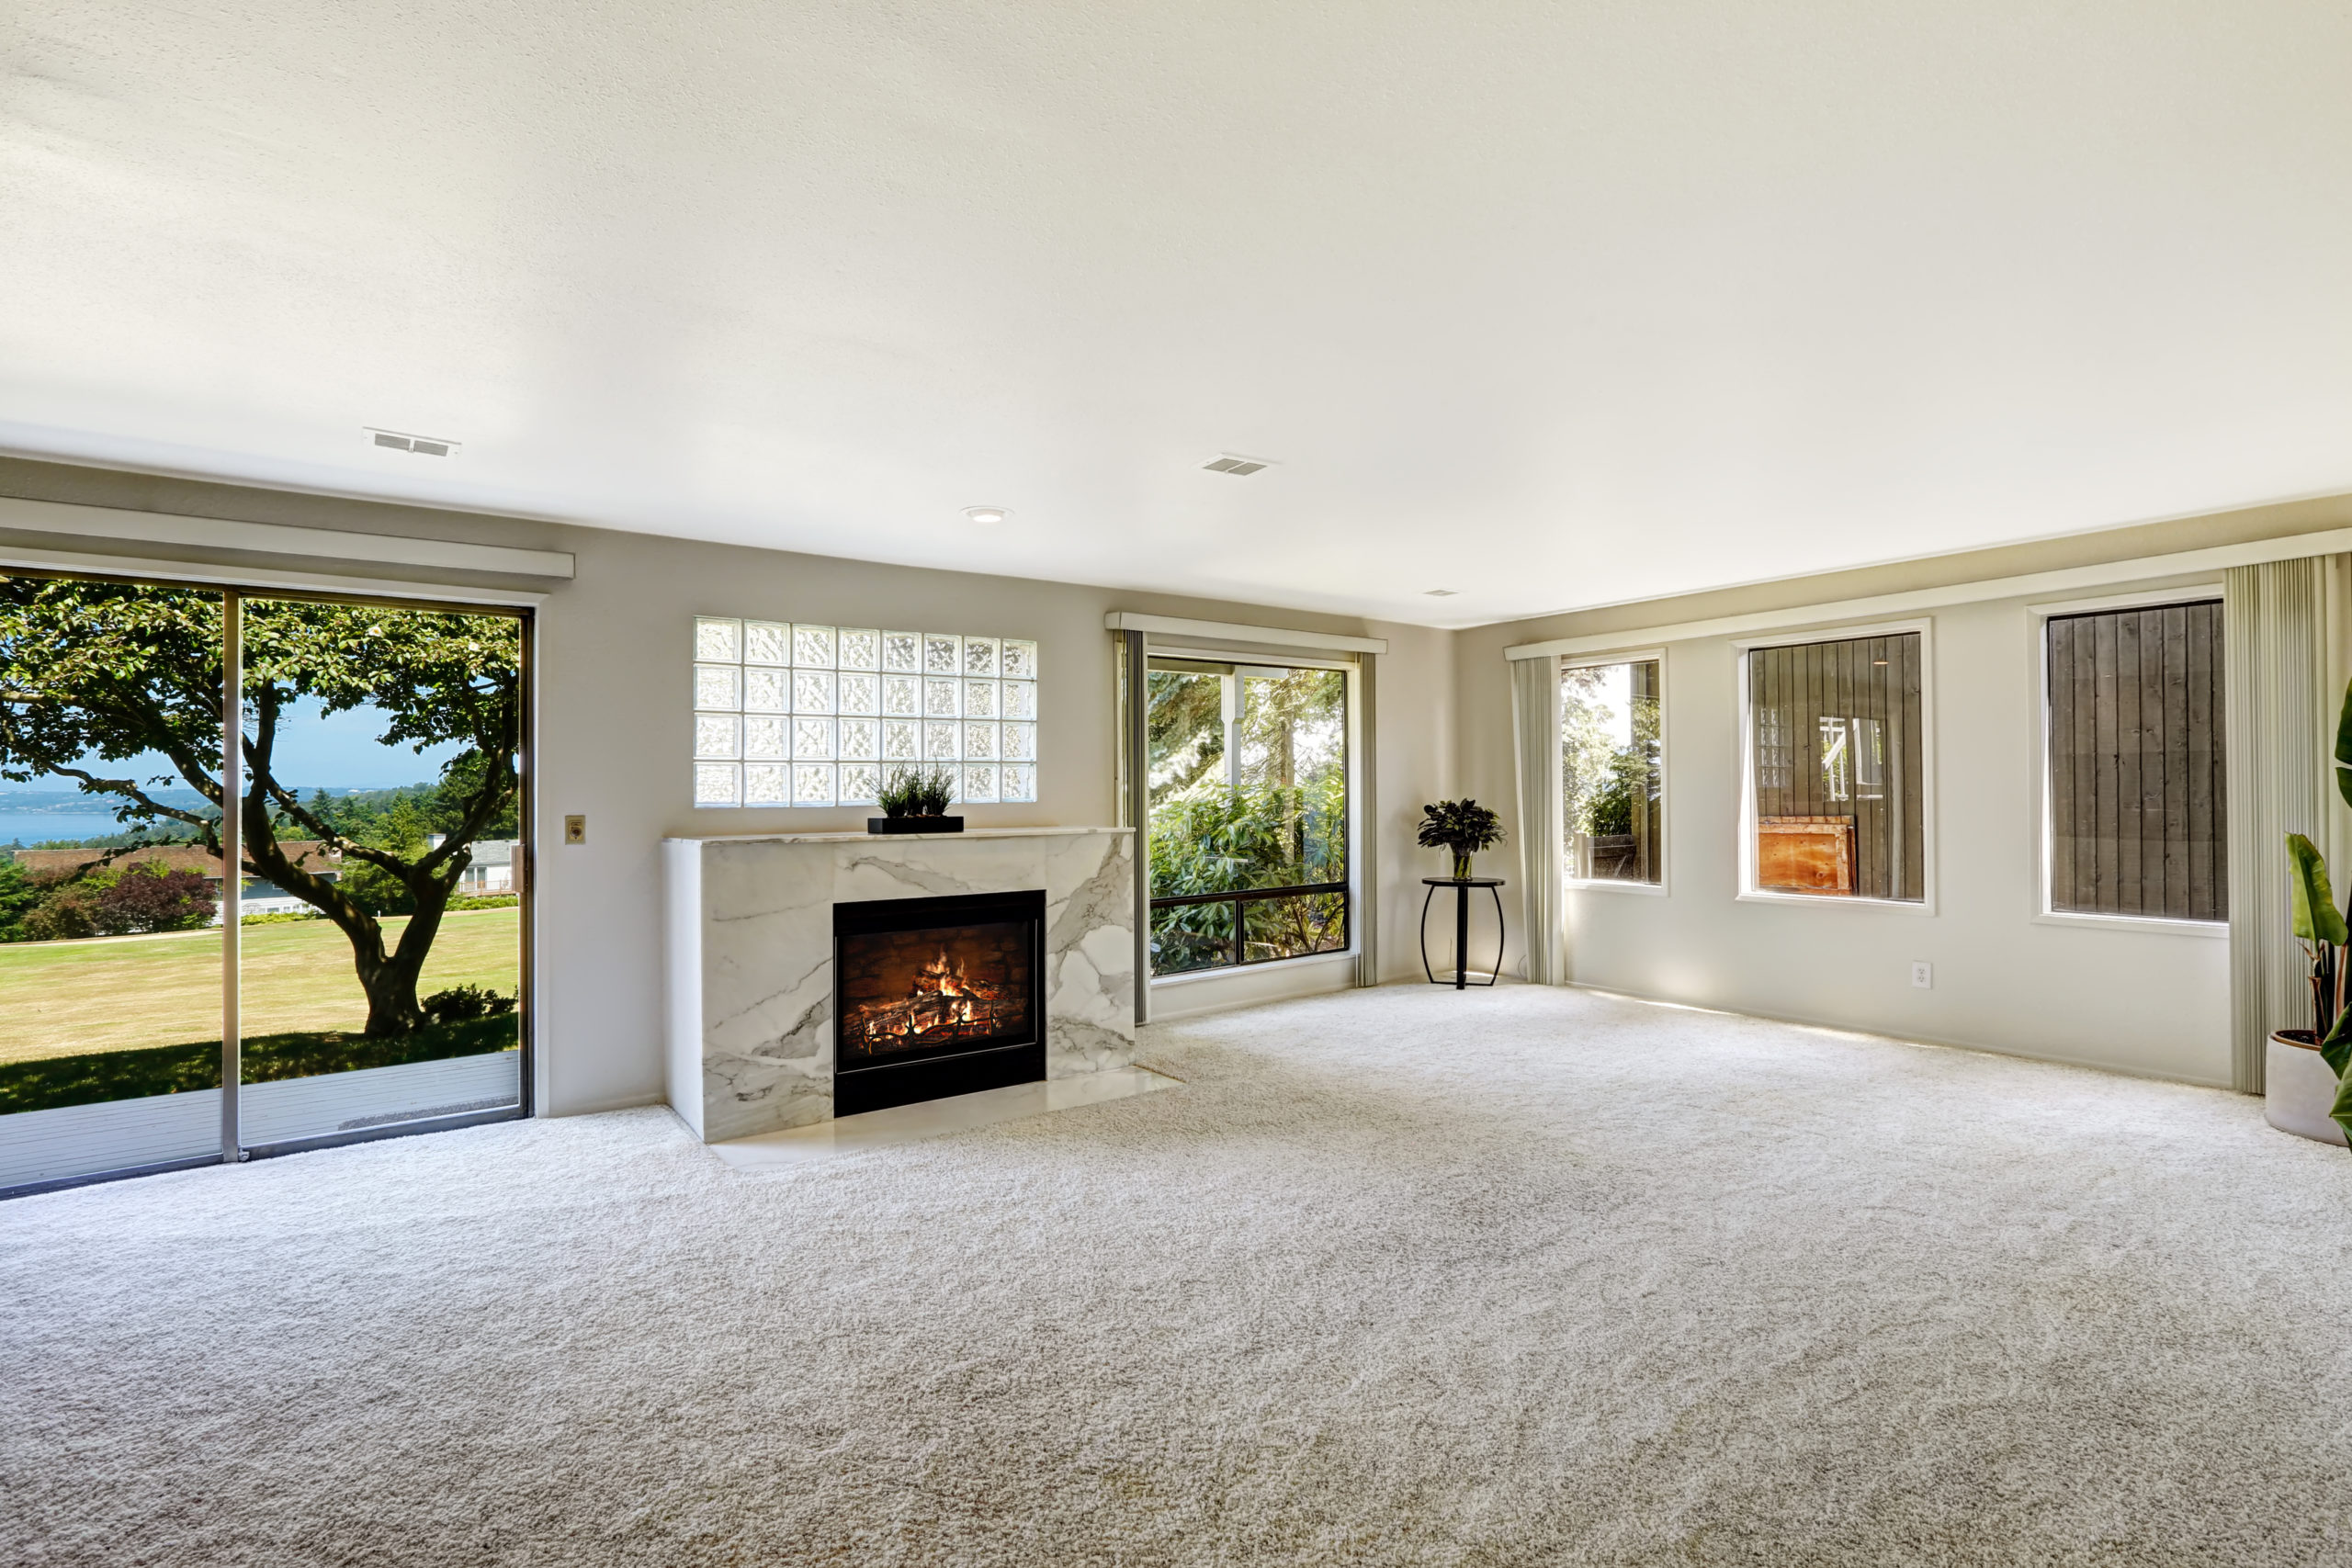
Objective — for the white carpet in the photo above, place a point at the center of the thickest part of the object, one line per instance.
(1520, 1276)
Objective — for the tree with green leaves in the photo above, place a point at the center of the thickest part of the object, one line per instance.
(96, 674)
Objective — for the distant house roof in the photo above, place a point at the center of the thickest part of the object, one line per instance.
(307, 854)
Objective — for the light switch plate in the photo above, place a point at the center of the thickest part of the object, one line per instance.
(575, 829)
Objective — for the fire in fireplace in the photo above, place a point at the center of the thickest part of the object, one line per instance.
(925, 990)
(935, 996)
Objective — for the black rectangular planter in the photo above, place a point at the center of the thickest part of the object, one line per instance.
(914, 824)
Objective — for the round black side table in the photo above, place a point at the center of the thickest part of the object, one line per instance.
(1461, 886)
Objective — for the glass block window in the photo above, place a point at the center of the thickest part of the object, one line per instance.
(766, 642)
(812, 739)
(790, 714)
(722, 642)
(766, 691)
(812, 647)
(719, 783)
(766, 783)
(767, 736)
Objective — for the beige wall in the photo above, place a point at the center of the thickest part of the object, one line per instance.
(2144, 1001)
(614, 723)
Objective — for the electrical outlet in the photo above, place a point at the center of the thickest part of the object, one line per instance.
(575, 829)
(1923, 975)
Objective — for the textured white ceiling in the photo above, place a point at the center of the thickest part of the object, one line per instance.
(1551, 304)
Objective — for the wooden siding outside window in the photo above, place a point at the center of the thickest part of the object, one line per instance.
(2137, 800)
(1836, 731)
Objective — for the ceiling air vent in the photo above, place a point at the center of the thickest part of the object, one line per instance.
(423, 446)
(1227, 463)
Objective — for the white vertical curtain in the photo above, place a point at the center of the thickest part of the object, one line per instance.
(1367, 784)
(2284, 653)
(1535, 734)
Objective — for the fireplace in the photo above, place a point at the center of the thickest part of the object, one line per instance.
(935, 996)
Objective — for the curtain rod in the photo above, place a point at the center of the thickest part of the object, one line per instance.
(1278, 637)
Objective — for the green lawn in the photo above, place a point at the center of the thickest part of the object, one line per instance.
(70, 999)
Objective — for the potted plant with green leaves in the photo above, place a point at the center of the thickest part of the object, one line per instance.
(1465, 827)
(2305, 1089)
(914, 800)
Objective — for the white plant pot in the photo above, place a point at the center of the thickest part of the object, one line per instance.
(2298, 1090)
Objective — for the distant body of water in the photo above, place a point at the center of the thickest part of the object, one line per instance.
(33, 827)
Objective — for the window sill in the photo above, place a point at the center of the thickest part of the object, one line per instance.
(2146, 925)
(1833, 901)
(1608, 884)
(1193, 977)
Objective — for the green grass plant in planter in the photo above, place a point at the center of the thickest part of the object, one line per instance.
(1463, 826)
(915, 800)
(2324, 932)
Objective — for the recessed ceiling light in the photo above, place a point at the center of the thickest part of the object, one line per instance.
(987, 513)
(405, 441)
(1239, 467)
(1441, 592)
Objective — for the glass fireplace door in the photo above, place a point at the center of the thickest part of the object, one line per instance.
(938, 997)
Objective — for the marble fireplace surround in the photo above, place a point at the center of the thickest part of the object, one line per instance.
(750, 954)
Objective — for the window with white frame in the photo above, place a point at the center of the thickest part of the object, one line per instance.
(1837, 770)
(790, 714)
(1611, 772)
(2138, 805)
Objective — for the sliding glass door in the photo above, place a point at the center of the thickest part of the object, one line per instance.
(111, 967)
(379, 952)
(362, 973)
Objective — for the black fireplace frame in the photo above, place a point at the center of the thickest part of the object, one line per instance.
(877, 1086)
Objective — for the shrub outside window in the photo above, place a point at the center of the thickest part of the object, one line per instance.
(1247, 812)
(1611, 778)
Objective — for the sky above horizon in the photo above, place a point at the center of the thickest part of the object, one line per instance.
(314, 750)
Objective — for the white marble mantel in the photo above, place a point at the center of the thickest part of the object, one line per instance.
(749, 959)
